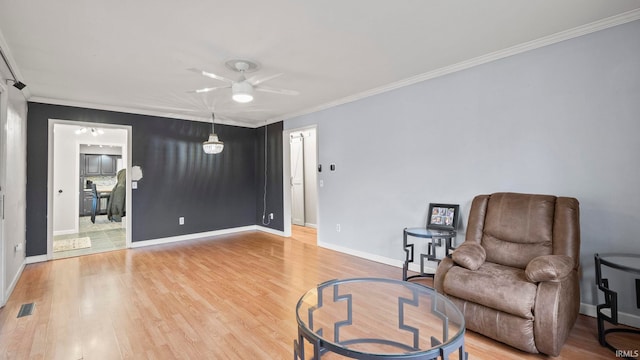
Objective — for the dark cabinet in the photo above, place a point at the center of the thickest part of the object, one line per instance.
(92, 165)
(86, 202)
(100, 165)
(108, 164)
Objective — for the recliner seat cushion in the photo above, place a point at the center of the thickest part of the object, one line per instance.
(496, 286)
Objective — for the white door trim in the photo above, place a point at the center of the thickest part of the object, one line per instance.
(50, 190)
(4, 105)
(286, 175)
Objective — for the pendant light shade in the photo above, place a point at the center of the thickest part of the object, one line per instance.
(213, 145)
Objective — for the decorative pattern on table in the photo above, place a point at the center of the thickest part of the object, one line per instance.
(445, 322)
(418, 310)
(415, 331)
(336, 298)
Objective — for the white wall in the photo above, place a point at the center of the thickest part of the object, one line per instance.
(563, 119)
(66, 147)
(13, 181)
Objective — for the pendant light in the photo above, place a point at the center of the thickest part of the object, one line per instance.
(213, 145)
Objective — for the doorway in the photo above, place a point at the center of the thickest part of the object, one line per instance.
(301, 191)
(3, 168)
(88, 163)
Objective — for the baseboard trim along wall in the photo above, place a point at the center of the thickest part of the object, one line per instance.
(12, 286)
(65, 232)
(35, 259)
(362, 254)
(204, 235)
(623, 318)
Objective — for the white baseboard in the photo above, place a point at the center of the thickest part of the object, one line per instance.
(65, 232)
(196, 236)
(35, 259)
(204, 235)
(362, 254)
(269, 230)
(315, 226)
(12, 285)
(623, 318)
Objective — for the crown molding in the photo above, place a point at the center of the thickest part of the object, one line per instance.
(140, 111)
(598, 25)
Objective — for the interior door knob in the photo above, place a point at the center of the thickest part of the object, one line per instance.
(60, 191)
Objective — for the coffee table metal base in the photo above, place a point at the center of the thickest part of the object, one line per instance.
(320, 348)
(441, 348)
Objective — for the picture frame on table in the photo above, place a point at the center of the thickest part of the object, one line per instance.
(443, 216)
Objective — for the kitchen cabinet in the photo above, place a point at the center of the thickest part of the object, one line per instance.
(108, 164)
(86, 202)
(100, 165)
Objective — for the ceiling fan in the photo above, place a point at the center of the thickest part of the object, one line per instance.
(242, 89)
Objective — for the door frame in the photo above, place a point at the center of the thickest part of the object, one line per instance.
(50, 190)
(4, 108)
(286, 175)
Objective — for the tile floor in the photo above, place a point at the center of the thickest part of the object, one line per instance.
(105, 236)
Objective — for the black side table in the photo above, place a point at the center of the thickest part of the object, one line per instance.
(436, 237)
(628, 263)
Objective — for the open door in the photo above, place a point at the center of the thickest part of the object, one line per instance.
(297, 180)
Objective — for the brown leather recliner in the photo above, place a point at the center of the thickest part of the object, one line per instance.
(515, 277)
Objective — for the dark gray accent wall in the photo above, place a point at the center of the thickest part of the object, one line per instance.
(212, 192)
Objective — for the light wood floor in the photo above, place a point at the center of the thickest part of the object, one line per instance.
(232, 297)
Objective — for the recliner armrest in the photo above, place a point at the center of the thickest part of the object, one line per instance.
(549, 268)
(469, 255)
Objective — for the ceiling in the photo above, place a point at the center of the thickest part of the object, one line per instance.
(134, 56)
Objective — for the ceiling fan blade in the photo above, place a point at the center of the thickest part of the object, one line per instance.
(204, 90)
(254, 80)
(276, 91)
(211, 75)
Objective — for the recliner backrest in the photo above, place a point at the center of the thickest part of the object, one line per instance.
(515, 228)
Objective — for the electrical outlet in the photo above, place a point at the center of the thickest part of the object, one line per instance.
(338, 228)
(270, 216)
(181, 220)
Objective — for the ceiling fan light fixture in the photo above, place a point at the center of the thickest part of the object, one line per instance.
(242, 92)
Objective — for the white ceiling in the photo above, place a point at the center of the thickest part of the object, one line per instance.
(133, 55)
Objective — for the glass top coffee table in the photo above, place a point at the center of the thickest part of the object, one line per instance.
(373, 318)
